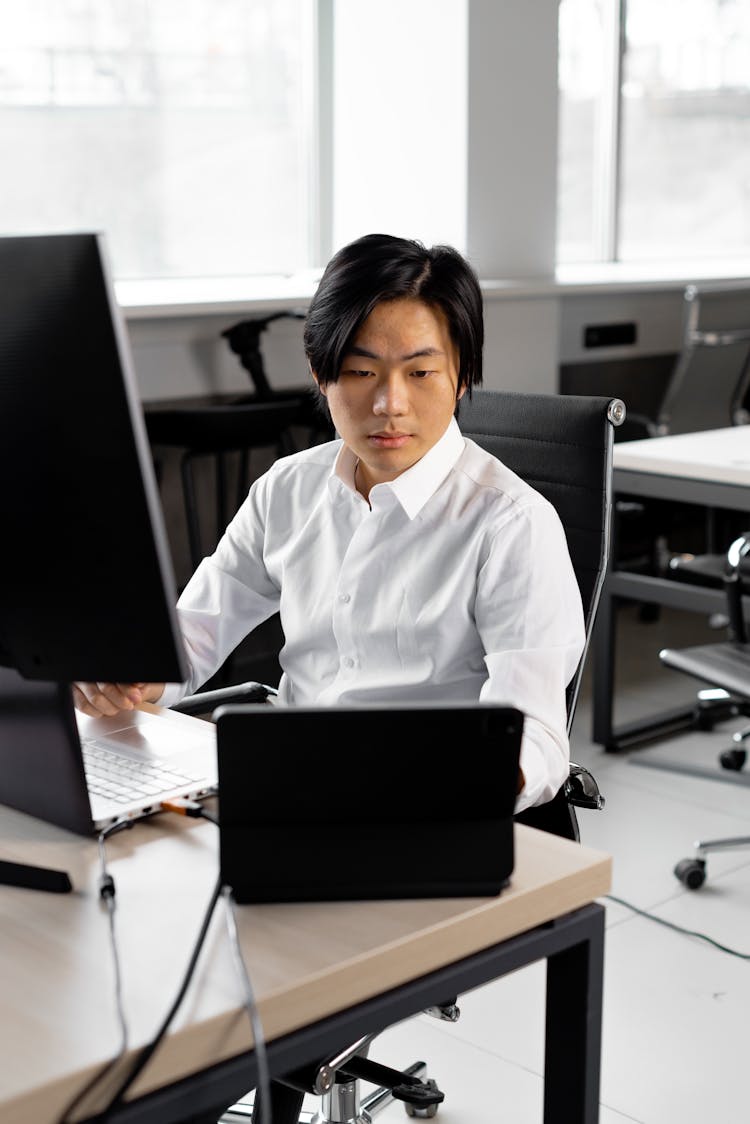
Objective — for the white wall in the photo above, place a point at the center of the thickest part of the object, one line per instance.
(182, 357)
(185, 357)
(529, 331)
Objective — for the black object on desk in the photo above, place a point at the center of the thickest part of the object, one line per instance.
(35, 877)
(424, 832)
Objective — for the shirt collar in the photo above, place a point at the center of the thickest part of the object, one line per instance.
(414, 487)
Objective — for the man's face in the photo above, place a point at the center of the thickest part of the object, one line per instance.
(396, 391)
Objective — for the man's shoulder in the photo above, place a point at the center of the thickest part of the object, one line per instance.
(305, 461)
(485, 470)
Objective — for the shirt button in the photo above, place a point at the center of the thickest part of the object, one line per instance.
(344, 598)
(348, 661)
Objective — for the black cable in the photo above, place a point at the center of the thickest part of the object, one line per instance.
(147, 1051)
(679, 928)
(194, 810)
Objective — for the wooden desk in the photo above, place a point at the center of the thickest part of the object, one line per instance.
(710, 468)
(323, 974)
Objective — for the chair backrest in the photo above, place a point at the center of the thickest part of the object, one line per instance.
(711, 375)
(561, 444)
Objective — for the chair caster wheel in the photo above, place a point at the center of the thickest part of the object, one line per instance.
(691, 872)
(428, 1110)
(733, 759)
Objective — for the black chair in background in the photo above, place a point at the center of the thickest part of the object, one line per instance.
(226, 432)
(711, 374)
(562, 445)
(707, 389)
(726, 666)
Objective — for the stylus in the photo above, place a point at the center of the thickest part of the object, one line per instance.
(35, 877)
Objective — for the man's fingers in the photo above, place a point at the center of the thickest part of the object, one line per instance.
(81, 702)
(105, 699)
(88, 698)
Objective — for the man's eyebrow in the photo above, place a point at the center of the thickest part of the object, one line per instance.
(423, 352)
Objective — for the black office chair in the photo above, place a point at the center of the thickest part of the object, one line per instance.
(711, 375)
(226, 431)
(562, 445)
(707, 389)
(726, 666)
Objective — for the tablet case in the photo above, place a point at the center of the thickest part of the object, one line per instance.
(360, 803)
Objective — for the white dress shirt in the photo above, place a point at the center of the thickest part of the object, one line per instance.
(454, 582)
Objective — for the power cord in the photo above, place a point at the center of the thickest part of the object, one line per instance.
(259, 1042)
(147, 1051)
(678, 928)
(107, 895)
(194, 810)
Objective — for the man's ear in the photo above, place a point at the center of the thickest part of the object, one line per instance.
(320, 385)
(460, 392)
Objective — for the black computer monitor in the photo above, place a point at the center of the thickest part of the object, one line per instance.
(87, 589)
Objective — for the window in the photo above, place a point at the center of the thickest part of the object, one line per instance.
(654, 154)
(182, 128)
(252, 137)
(199, 135)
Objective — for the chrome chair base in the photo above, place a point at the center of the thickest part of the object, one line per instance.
(342, 1104)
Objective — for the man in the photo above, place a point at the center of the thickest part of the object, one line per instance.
(407, 563)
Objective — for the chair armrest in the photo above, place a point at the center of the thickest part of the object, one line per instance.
(698, 569)
(581, 789)
(636, 426)
(206, 701)
(737, 552)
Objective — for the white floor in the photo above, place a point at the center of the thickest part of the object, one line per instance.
(675, 1007)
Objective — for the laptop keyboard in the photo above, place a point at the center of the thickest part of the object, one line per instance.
(111, 774)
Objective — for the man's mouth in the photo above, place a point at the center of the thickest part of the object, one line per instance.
(388, 440)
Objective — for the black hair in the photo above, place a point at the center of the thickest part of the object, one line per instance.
(382, 267)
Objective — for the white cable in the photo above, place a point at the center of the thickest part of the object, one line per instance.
(107, 895)
(259, 1042)
(109, 900)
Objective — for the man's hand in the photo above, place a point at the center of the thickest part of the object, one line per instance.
(104, 700)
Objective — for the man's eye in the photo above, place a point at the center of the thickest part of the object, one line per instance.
(420, 374)
(356, 372)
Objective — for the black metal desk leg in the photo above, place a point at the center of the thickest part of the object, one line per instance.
(573, 1030)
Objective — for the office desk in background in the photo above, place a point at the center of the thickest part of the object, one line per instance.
(711, 468)
(323, 974)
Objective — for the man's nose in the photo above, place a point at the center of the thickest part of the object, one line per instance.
(391, 395)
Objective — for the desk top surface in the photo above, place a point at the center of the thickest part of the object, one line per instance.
(305, 961)
(715, 455)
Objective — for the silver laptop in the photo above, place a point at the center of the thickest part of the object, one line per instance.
(87, 773)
